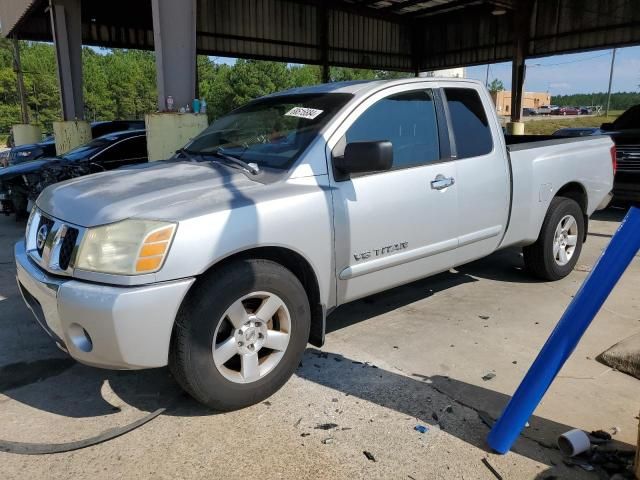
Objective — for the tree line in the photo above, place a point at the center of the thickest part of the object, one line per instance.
(619, 100)
(121, 84)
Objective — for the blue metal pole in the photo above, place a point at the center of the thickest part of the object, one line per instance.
(574, 322)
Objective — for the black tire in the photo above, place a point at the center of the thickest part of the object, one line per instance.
(539, 257)
(191, 358)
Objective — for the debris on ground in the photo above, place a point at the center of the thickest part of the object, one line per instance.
(326, 426)
(600, 436)
(327, 441)
(448, 409)
(582, 268)
(421, 428)
(491, 469)
(305, 434)
(484, 317)
(369, 456)
(297, 424)
(434, 415)
(615, 430)
(267, 403)
(611, 463)
(489, 376)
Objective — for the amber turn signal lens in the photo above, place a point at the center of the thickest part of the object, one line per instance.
(148, 264)
(161, 235)
(153, 249)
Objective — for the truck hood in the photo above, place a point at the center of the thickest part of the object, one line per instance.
(159, 190)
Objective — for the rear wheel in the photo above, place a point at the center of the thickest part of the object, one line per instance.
(241, 334)
(556, 252)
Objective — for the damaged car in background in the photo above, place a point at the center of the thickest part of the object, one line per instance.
(21, 184)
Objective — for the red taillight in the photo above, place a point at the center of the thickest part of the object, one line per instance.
(614, 159)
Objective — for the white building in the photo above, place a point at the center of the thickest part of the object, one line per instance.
(449, 72)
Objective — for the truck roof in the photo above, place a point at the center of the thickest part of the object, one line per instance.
(365, 86)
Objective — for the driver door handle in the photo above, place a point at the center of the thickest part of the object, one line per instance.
(441, 182)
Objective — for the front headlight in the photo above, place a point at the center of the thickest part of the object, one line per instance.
(130, 247)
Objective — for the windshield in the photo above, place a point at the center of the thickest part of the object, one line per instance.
(271, 132)
(88, 149)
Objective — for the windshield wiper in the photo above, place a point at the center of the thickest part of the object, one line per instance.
(219, 152)
(188, 154)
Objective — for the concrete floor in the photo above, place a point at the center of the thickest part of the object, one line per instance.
(391, 361)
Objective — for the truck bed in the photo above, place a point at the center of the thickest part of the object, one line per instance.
(541, 165)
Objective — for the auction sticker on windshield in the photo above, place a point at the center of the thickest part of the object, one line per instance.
(302, 112)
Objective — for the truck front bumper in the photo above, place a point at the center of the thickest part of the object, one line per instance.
(101, 325)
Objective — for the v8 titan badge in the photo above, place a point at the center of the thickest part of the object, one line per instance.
(378, 252)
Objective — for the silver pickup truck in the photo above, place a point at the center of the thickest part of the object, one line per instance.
(224, 261)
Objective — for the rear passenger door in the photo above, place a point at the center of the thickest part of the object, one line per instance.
(483, 179)
(395, 226)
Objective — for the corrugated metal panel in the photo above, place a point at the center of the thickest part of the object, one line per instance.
(11, 11)
(273, 29)
(578, 25)
(389, 35)
(458, 40)
(470, 37)
(359, 41)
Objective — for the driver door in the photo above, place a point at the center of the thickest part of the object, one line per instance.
(395, 226)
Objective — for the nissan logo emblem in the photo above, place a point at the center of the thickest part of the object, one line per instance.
(41, 237)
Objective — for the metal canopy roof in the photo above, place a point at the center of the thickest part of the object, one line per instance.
(405, 35)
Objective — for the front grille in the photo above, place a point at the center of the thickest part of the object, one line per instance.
(628, 158)
(66, 249)
(49, 223)
(54, 247)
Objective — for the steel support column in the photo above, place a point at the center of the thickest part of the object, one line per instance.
(174, 37)
(522, 23)
(66, 26)
(323, 31)
(518, 71)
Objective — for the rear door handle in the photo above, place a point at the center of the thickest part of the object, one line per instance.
(441, 182)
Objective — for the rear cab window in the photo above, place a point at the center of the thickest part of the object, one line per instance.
(471, 129)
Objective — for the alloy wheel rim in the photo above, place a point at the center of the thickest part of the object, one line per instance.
(565, 240)
(252, 337)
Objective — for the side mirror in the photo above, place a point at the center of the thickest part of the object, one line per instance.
(363, 157)
(607, 126)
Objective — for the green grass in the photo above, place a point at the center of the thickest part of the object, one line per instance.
(548, 126)
(3, 140)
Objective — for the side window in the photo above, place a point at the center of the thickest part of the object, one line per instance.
(469, 122)
(127, 149)
(408, 121)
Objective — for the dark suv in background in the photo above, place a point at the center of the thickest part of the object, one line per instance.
(625, 132)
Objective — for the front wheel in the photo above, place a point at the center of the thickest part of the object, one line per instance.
(240, 334)
(556, 252)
